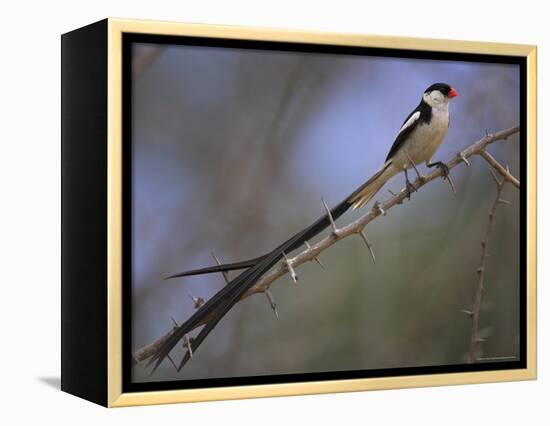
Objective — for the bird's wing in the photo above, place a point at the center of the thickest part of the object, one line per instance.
(408, 126)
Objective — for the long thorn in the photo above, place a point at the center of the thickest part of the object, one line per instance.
(332, 223)
(369, 245)
(188, 344)
(290, 269)
(224, 273)
(314, 257)
(272, 303)
(378, 207)
(495, 178)
(449, 179)
(464, 159)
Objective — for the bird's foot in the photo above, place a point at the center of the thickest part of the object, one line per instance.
(441, 166)
(410, 188)
(444, 169)
(445, 174)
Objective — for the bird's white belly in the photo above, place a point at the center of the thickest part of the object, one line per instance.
(422, 144)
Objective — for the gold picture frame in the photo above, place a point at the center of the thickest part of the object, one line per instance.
(115, 396)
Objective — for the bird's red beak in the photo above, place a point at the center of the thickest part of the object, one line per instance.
(453, 93)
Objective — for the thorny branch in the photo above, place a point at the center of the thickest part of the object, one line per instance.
(357, 227)
(475, 338)
(503, 171)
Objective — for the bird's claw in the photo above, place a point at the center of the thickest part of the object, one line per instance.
(410, 188)
(444, 170)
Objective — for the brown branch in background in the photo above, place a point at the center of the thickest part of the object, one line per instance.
(144, 58)
(356, 227)
(475, 339)
(503, 171)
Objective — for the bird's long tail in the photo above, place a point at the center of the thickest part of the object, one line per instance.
(219, 268)
(219, 304)
(357, 199)
(373, 185)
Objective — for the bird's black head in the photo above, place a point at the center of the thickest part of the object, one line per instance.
(444, 88)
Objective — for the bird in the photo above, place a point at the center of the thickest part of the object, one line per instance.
(421, 134)
(418, 139)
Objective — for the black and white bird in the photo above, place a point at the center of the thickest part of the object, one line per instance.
(420, 135)
(417, 141)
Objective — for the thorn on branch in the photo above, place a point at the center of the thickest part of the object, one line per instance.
(498, 183)
(197, 301)
(467, 312)
(394, 194)
(451, 184)
(378, 208)
(187, 344)
(464, 159)
(314, 257)
(174, 321)
(290, 269)
(446, 175)
(224, 273)
(332, 223)
(501, 201)
(272, 303)
(368, 243)
(503, 171)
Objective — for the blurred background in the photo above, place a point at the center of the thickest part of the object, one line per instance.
(233, 150)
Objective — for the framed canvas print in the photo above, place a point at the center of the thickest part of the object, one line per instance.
(250, 212)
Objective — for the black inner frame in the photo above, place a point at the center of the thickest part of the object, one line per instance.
(128, 39)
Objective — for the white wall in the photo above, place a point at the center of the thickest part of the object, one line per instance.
(30, 198)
